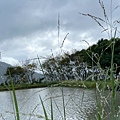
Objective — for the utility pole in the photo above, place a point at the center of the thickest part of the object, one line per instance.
(0, 55)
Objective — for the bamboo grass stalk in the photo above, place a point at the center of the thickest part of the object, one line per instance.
(14, 98)
(45, 112)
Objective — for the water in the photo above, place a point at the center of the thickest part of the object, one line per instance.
(80, 104)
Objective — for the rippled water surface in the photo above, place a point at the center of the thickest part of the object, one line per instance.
(79, 104)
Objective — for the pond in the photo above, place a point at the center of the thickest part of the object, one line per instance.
(79, 104)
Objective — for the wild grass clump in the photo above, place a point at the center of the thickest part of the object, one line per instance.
(111, 30)
(17, 116)
(56, 66)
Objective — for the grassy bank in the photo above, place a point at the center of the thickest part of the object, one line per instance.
(66, 83)
(22, 86)
(84, 84)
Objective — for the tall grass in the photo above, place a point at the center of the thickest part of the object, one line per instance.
(112, 78)
(111, 31)
(102, 100)
(17, 117)
(45, 113)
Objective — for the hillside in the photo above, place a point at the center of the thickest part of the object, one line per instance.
(99, 52)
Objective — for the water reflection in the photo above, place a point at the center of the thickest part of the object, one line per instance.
(80, 104)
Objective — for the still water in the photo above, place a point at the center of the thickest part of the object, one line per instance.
(79, 104)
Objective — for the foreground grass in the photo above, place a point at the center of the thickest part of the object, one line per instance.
(66, 83)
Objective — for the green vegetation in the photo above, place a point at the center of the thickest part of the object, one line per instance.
(26, 86)
(21, 74)
(102, 57)
(96, 58)
(17, 117)
(65, 83)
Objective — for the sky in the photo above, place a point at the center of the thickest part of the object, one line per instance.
(29, 28)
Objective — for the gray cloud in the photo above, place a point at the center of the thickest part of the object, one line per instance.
(29, 27)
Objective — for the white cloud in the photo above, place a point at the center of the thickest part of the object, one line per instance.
(10, 60)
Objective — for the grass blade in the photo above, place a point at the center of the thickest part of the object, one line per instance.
(45, 113)
(51, 109)
(112, 77)
(15, 99)
(63, 100)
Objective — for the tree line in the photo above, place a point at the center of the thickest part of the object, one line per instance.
(87, 64)
(21, 74)
(91, 63)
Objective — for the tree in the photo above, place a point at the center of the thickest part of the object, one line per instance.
(29, 69)
(96, 56)
(17, 73)
(22, 74)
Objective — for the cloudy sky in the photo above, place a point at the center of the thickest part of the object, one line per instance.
(29, 28)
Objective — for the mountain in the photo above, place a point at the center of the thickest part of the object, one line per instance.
(3, 68)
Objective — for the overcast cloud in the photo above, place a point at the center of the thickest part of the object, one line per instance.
(29, 27)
